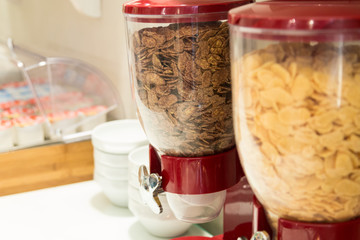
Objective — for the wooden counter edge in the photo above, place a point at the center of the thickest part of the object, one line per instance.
(45, 166)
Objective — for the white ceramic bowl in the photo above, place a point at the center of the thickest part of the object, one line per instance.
(119, 136)
(133, 180)
(115, 160)
(133, 193)
(138, 157)
(110, 172)
(164, 225)
(115, 190)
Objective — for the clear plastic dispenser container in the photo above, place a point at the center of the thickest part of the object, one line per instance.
(180, 71)
(296, 95)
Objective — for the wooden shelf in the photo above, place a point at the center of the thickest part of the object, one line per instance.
(45, 166)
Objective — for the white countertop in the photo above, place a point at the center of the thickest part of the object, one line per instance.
(77, 211)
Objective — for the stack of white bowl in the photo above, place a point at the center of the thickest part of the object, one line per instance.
(162, 225)
(112, 142)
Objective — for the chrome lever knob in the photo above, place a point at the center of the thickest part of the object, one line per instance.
(150, 188)
(261, 235)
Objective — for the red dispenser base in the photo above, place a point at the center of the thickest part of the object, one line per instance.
(318, 231)
(236, 225)
(295, 230)
(238, 211)
(197, 175)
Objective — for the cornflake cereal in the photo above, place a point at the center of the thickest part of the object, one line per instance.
(297, 125)
(183, 87)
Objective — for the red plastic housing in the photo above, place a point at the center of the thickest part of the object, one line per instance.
(297, 15)
(299, 20)
(166, 7)
(165, 11)
(293, 230)
(197, 175)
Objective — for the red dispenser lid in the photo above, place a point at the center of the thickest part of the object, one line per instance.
(206, 10)
(313, 16)
(174, 7)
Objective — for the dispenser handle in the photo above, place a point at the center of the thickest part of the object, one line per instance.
(150, 188)
(261, 235)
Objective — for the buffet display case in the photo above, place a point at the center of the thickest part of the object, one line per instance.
(48, 107)
(51, 99)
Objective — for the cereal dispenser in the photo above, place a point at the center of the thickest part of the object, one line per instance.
(180, 71)
(296, 101)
